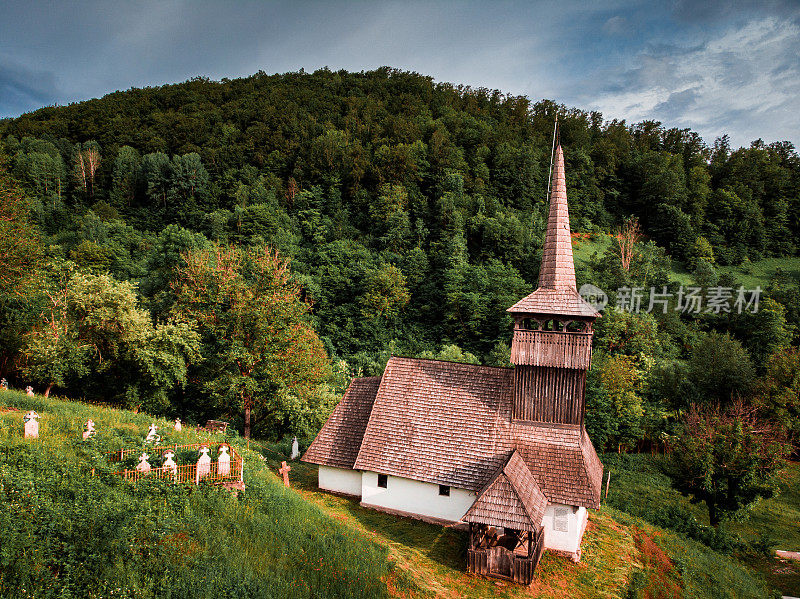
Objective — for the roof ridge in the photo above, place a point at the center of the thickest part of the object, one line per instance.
(514, 488)
(378, 396)
(451, 362)
(589, 467)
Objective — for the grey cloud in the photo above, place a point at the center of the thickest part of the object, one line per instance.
(677, 104)
(616, 26)
(21, 87)
(711, 11)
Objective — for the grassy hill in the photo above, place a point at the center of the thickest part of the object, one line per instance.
(749, 275)
(639, 486)
(67, 533)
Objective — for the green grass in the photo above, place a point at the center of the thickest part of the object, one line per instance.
(67, 533)
(616, 561)
(639, 487)
(582, 249)
(749, 276)
(760, 272)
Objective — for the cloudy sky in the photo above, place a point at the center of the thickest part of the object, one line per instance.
(718, 67)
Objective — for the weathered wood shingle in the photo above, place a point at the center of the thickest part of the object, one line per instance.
(338, 442)
(450, 424)
(510, 499)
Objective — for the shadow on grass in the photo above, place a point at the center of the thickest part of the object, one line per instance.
(443, 545)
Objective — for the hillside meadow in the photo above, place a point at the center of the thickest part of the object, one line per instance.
(73, 528)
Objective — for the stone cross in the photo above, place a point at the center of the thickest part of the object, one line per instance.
(31, 425)
(90, 430)
(178, 426)
(284, 470)
(223, 461)
(169, 463)
(203, 464)
(29, 391)
(143, 466)
(152, 436)
(295, 449)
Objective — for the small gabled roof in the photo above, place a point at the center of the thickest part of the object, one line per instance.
(338, 442)
(556, 302)
(511, 499)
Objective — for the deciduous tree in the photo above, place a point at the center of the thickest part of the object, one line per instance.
(262, 356)
(727, 458)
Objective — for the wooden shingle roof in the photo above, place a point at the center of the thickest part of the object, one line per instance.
(338, 442)
(558, 270)
(557, 293)
(510, 499)
(563, 460)
(558, 302)
(450, 424)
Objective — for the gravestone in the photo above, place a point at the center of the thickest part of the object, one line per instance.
(284, 470)
(143, 466)
(203, 465)
(4, 385)
(178, 426)
(29, 391)
(169, 463)
(90, 430)
(31, 425)
(295, 449)
(224, 461)
(152, 435)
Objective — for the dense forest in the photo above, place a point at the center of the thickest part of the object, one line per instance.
(246, 246)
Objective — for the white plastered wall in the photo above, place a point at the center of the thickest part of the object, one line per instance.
(415, 497)
(564, 526)
(340, 480)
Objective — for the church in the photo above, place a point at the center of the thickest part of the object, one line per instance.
(502, 450)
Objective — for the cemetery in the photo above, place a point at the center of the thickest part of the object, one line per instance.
(226, 469)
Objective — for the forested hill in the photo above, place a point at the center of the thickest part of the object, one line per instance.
(412, 211)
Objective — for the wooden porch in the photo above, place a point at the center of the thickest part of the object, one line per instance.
(512, 555)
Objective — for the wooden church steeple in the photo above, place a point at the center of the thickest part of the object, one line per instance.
(552, 345)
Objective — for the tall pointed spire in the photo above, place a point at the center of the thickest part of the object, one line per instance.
(558, 270)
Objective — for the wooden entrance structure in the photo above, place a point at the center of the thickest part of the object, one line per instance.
(506, 537)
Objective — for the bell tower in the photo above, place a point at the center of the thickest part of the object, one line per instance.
(552, 346)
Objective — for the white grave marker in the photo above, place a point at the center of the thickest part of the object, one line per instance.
(29, 391)
(152, 435)
(224, 461)
(178, 426)
(143, 466)
(295, 449)
(31, 425)
(169, 463)
(203, 464)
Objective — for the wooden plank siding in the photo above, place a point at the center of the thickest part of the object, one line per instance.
(543, 394)
(557, 349)
(498, 562)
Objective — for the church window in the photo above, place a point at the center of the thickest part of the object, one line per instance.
(383, 481)
(444, 490)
